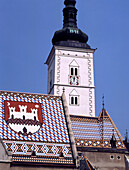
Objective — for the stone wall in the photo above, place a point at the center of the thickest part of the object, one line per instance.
(106, 161)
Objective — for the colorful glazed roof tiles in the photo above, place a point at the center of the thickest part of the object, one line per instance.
(34, 123)
(96, 132)
(54, 127)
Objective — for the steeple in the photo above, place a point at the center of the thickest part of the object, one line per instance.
(70, 65)
(70, 35)
(70, 13)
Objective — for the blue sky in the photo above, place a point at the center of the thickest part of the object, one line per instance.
(26, 30)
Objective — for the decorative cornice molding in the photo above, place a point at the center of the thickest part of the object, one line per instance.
(91, 87)
(75, 49)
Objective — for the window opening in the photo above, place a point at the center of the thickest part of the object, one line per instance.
(72, 100)
(118, 157)
(75, 100)
(12, 117)
(111, 157)
(71, 71)
(75, 71)
(23, 117)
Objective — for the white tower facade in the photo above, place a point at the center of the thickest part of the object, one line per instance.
(70, 65)
(72, 69)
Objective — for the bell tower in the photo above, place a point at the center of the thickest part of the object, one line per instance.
(70, 65)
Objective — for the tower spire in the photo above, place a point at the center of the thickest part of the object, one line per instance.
(70, 13)
(70, 35)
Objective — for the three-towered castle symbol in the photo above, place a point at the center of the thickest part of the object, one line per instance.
(23, 114)
(24, 118)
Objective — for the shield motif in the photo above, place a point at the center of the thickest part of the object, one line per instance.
(23, 117)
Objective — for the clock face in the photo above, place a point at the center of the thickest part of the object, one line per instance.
(74, 80)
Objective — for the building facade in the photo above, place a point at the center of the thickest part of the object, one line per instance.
(59, 130)
(70, 65)
(72, 68)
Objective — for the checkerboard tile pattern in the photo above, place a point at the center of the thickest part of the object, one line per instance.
(54, 127)
(95, 132)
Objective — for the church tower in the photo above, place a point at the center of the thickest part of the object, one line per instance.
(70, 65)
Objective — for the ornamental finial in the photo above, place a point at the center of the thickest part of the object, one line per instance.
(103, 101)
(70, 2)
(70, 14)
(126, 134)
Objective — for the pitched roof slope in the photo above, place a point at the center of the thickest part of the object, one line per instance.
(96, 131)
(34, 125)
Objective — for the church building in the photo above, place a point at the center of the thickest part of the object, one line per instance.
(59, 130)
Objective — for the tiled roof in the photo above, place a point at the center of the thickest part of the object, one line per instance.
(54, 127)
(96, 131)
(49, 140)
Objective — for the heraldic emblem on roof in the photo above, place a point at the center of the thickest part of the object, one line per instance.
(24, 118)
(33, 129)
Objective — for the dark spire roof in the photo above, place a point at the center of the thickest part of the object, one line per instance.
(70, 34)
(70, 14)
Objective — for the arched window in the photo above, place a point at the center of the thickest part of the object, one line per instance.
(76, 72)
(71, 71)
(23, 117)
(74, 98)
